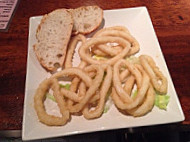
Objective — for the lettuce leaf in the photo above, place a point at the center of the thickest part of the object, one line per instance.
(133, 59)
(106, 108)
(50, 96)
(66, 86)
(134, 94)
(97, 57)
(108, 101)
(161, 101)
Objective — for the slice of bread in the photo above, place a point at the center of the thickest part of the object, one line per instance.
(86, 19)
(53, 35)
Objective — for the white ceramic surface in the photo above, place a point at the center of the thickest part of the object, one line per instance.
(138, 22)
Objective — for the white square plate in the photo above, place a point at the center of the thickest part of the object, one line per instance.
(138, 22)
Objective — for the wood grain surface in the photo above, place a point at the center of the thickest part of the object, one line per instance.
(171, 20)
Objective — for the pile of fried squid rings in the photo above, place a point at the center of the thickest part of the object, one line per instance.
(103, 67)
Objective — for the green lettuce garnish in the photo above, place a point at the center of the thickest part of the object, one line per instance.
(106, 108)
(50, 96)
(108, 93)
(107, 105)
(134, 94)
(97, 57)
(161, 101)
(66, 86)
(133, 59)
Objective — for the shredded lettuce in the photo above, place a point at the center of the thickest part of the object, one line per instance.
(97, 57)
(134, 94)
(108, 105)
(133, 59)
(161, 101)
(50, 96)
(106, 108)
(108, 101)
(108, 93)
(66, 86)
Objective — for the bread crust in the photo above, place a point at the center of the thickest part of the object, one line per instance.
(86, 8)
(65, 41)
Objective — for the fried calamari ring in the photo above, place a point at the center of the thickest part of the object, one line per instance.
(101, 40)
(146, 106)
(73, 72)
(106, 50)
(129, 83)
(115, 33)
(39, 104)
(71, 95)
(97, 112)
(117, 82)
(148, 102)
(109, 50)
(74, 84)
(92, 88)
(158, 80)
(119, 28)
(124, 74)
(68, 61)
(119, 94)
(71, 49)
(76, 72)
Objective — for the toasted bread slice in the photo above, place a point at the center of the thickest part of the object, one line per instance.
(86, 19)
(53, 35)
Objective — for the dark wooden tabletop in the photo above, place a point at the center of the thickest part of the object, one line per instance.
(171, 20)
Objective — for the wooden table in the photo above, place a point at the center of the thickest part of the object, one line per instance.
(171, 20)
